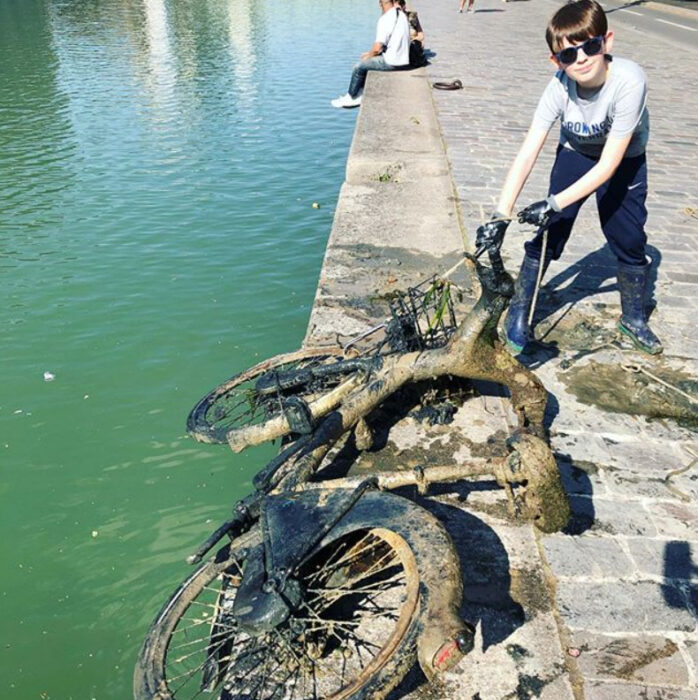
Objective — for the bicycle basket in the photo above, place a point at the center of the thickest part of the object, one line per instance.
(422, 318)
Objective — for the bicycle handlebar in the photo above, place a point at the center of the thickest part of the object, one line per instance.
(496, 256)
(495, 259)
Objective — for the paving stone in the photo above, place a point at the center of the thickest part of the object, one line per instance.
(521, 667)
(615, 463)
(581, 446)
(649, 457)
(691, 648)
(595, 690)
(674, 520)
(656, 660)
(631, 485)
(616, 517)
(623, 606)
(675, 560)
(593, 556)
(580, 477)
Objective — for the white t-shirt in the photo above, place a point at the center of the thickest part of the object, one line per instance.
(617, 108)
(394, 33)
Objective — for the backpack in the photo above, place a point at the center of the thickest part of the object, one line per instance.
(417, 57)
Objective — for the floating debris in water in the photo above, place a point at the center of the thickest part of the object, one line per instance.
(49, 376)
(316, 205)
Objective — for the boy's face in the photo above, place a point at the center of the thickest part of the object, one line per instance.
(587, 71)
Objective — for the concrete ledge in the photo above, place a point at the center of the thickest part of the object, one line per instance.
(397, 129)
(396, 220)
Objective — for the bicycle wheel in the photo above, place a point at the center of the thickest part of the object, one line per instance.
(236, 403)
(352, 637)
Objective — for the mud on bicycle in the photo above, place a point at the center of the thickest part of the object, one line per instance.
(331, 589)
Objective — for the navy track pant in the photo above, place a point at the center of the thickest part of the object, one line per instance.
(621, 204)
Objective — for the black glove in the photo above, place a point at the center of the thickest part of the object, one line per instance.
(491, 235)
(539, 213)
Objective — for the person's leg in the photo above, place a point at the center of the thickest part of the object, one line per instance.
(568, 168)
(358, 74)
(461, 4)
(623, 214)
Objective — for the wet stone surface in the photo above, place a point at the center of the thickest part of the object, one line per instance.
(644, 659)
(608, 609)
(615, 606)
(614, 388)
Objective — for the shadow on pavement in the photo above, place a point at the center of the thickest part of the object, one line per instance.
(595, 273)
(578, 486)
(586, 278)
(486, 578)
(680, 575)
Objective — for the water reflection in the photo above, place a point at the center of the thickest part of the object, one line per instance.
(157, 170)
(160, 58)
(242, 49)
(36, 143)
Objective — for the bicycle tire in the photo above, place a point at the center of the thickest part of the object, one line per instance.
(545, 502)
(235, 403)
(375, 679)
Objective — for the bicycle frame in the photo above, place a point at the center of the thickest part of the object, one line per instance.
(473, 352)
(296, 515)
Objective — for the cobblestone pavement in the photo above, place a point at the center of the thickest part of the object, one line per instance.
(621, 621)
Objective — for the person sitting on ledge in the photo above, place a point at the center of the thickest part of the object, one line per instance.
(391, 51)
(417, 57)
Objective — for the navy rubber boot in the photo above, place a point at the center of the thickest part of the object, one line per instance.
(516, 328)
(632, 283)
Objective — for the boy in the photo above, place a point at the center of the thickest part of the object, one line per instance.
(601, 103)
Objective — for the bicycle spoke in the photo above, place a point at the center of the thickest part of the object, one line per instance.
(339, 591)
(257, 689)
(355, 590)
(171, 647)
(189, 674)
(197, 623)
(353, 552)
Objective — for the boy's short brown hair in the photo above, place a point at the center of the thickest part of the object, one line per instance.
(576, 21)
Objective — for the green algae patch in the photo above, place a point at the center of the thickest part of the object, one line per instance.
(575, 331)
(529, 589)
(639, 661)
(615, 389)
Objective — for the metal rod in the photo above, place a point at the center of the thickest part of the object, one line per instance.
(419, 476)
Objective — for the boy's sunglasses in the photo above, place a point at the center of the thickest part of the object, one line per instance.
(591, 47)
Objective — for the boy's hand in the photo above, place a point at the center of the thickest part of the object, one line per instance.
(539, 213)
(491, 234)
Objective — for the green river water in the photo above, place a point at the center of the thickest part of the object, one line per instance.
(159, 160)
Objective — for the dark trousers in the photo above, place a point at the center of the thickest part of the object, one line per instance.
(358, 73)
(621, 204)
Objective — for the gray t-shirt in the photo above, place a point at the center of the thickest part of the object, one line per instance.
(617, 108)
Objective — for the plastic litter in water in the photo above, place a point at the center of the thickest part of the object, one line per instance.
(49, 376)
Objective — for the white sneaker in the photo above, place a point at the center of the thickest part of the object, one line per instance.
(346, 101)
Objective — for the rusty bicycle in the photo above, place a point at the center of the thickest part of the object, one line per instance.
(330, 589)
